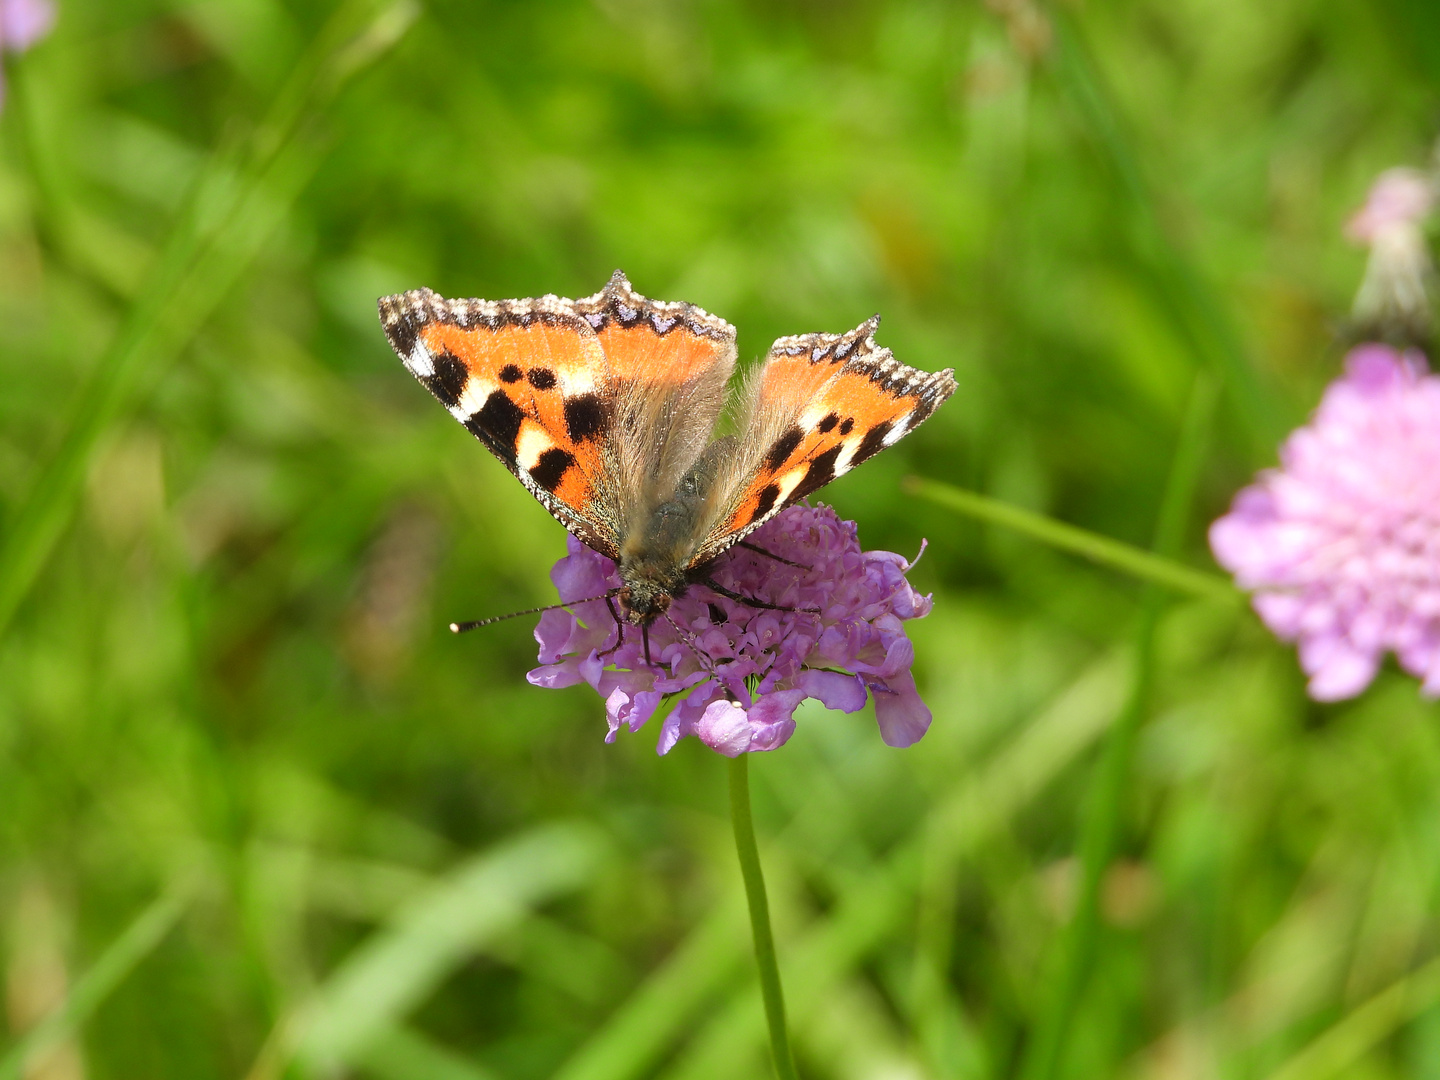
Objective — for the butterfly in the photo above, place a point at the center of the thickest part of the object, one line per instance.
(606, 410)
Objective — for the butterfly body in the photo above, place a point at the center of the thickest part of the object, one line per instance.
(605, 408)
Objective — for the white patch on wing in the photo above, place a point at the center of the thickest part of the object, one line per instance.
(474, 396)
(574, 383)
(845, 460)
(531, 443)
(788, 482)
(896, 433)
(419, 362)
(811, 417)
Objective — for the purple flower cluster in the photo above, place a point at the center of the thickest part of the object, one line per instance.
(739, 671)
(22, 24)
(1342, 542)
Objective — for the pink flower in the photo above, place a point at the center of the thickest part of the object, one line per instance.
(1399, 199)
(739, 671)
(1341, 544)
(22, 24)
(1392, 303)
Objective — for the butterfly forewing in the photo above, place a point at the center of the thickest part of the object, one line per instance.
(598, 405)
(528, 379)
(821, 405)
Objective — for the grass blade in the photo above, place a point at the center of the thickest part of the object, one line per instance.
(138, 940)
(399, 1053)
(1149, 566)
(1186, 299)
(1342, 1045)
(1104, 811)
(395, 968)
(214, 240)
(640, 1032)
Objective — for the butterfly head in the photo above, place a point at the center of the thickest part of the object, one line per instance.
(652, 575)
(642, 602)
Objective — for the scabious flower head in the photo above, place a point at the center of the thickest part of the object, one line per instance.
(739, 671)
(1392, 303)
(1342, 543)
(22, 24)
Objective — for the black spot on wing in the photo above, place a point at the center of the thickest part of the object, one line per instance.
(541, 378)
(783, 447)
(510, 373)
(550, 469)
(497, 424)
(449, 380)
(847, 425)
(584, 417)
(766, 502)
(820, 472)
(828, 423)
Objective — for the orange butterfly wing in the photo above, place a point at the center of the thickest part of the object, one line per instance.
(527, 378)
(655, 341)
(667, 368)
(582, 400)
(823, 404)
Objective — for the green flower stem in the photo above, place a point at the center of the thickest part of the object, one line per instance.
(759, 915)
(1156, 568)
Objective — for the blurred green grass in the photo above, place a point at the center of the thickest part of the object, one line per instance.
(262, 816)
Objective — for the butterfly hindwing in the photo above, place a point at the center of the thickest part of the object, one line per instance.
(528, 379)
(821, 405)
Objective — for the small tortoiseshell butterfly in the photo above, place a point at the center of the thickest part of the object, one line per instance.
(606, 408)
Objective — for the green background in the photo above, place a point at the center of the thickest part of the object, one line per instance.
(262, 816)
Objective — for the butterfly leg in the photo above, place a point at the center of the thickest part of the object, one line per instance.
(769, 554)
(619, 629)
(750, 601)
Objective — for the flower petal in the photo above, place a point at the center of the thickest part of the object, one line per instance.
(24, 22)
(555, 676)
(902, 716)
(1336, 668)
(724, 727)
(835, 689)
(772, 719)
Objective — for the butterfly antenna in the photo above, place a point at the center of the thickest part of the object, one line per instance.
(475, 624)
